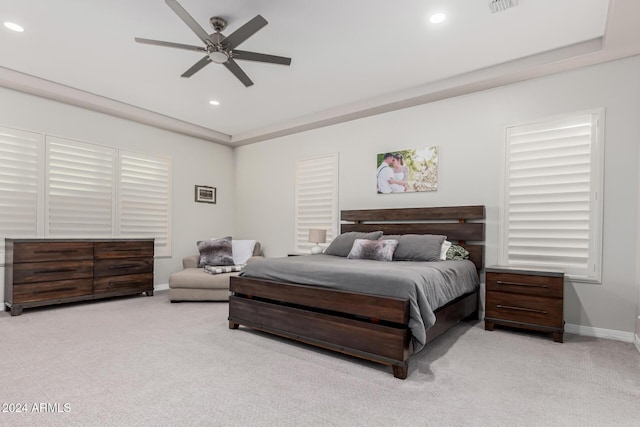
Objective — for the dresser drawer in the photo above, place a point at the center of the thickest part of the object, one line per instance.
(44, 291)
(122, 266)
(131, 282)
(127, 249)
(51, 270)
(524, 308)
(525, 284)
(51, 251)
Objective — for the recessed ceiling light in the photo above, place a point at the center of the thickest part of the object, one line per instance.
(14, 27)
(214, 102)
(437, 18)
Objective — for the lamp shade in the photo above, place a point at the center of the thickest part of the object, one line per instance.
(317, 235)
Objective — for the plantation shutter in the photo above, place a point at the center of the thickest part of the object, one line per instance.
(20, 154)
(316, 196)
(144, 202)
(80, 195)
(552, 201)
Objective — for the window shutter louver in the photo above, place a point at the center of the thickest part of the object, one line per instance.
(19, 183)
(144, 209)
(79, 187)
(316, 195)
(550, 196)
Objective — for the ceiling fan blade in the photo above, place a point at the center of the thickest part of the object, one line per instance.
(171, 44)
(237, 71)
(188, 19)
(244, 32)
(260, 57)
(196, 67)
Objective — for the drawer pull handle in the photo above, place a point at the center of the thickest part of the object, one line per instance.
(530, 285)
(509, 307)
(60, 270)
(55, 251)
(118, 284)
(117, 267)
(53, 290)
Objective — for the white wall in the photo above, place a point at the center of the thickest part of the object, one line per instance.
(470, 133)
(194, 162)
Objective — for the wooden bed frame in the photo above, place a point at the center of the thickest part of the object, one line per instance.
(371, 327)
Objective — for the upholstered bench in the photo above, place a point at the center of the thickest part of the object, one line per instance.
(195, 284)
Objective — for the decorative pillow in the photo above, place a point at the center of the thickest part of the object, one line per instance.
(242, 250)
(443, 250)
(215, 252)
(457, 252)
(212, 269)
(377, 250)
(342, 244)
(417, 247)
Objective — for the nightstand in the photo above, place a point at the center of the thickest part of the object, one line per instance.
(525, 298)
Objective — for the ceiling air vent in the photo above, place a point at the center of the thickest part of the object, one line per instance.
(500, 5)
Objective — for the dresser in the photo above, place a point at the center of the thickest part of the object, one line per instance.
(42, 272)
(525, 298)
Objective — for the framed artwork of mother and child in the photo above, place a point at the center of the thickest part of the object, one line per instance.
(407, 171)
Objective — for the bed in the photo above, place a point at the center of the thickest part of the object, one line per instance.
(372, 326)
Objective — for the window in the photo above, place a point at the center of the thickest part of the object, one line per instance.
(80, 189)
(55, 187)
(145, 199)
(20, 183)
(316, 196)
(552, 212)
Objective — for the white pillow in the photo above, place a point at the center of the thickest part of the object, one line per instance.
(242, 250)
(443, 250)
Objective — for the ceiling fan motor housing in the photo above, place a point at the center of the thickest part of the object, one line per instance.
(218, 23)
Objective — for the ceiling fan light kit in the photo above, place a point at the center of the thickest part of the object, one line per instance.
(218, 48)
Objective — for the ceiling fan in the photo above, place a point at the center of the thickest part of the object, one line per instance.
(217, 47)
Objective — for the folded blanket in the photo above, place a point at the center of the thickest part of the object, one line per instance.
(219, 269)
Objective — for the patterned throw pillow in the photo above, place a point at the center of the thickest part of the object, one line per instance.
(457, 252)
(215, 252)
(377, 250)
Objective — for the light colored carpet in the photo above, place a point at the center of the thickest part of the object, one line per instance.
(144, 361)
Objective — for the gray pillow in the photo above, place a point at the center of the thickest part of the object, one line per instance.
(215, 252)
(377, 250)
(342, 244)
(417, 247)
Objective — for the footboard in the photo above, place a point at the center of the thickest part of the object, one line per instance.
(371, 327)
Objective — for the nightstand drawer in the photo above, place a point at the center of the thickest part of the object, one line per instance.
(525, 284)
(528, 309)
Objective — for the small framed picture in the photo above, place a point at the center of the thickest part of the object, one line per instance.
(205, 194)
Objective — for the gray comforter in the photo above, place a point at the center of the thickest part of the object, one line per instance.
(427, 285)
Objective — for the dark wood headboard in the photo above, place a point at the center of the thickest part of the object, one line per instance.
(461, 224)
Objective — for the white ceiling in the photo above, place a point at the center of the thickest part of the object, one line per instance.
(349, 58)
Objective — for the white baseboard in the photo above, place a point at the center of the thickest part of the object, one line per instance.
(161, 287)
(590, 331)
(637, 342)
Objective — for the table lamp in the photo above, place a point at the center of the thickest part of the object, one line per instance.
(317, 236)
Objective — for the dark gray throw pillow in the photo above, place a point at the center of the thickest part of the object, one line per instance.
(342, 244)
(417, 247)
(215, 252)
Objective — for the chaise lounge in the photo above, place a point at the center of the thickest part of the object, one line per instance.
(195, 284)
